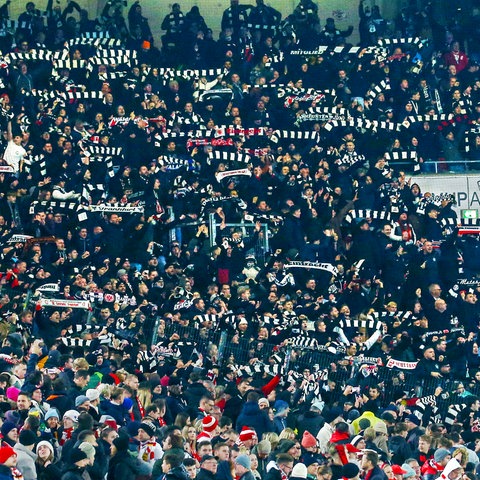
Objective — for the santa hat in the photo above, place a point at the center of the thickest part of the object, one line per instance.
(203, 437)
(246, 434)
(209, 423)
(308, 440)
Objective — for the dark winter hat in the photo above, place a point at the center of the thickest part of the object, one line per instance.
(205, 458)
(413, 418)
(121, 443)
(27, 437)
(148, 427)
(285, 445)
(133, 427)
(7, 427)
(332, 414)
(350, 470)
(77, 455)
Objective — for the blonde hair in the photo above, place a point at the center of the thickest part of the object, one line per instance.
(80, 364)
(145, 396)
(273, 438)
(193, 444)
(105, 390)
(122, 375)
(369, 434)
(464, 455)
(287, 433)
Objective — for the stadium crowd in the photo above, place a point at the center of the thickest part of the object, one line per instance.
(215, 260)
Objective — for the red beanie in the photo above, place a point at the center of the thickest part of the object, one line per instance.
(6, 451)
(246, 434)
(308, 440)
(209, 423)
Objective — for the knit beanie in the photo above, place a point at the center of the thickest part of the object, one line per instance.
(244, 461)
(148, 427)
(7, 427)
(44, 443)
(299, 471)
(121, 442)
(209, 423)
(88, 448)
(6, 451)
(52, 413)
(27, 437)
(308, 440)
(350, 470)
(440, 454)
(246, 434)
(77, 455)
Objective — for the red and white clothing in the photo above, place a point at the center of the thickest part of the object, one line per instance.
(150, 451)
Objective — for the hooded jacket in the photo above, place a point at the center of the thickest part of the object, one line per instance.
(254, 417)
(26, 461)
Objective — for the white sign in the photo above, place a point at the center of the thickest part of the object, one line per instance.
(466, 188)
(64, 303)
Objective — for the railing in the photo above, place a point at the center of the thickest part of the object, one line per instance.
(439, 166)
(339, 368)
(260, 249)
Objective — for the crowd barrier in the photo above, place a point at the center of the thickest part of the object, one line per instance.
(219, 348)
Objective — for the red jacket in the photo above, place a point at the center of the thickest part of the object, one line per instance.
(459, 59)
(431, 467)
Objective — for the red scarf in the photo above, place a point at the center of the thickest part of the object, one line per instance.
(66, 435)
(16, 474)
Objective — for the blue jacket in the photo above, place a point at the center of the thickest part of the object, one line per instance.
(252, 416)
(5, 473)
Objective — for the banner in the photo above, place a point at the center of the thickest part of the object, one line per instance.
(469, 231)
(400, 364)
(314, 265)
(467, 282)
(49, 287)
(116, 208)
(308, 97)
(318, 117)
(232, 173)
(214, 142)
(19, 238)
(64, 303)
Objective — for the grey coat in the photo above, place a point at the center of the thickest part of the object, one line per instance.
(26, 461)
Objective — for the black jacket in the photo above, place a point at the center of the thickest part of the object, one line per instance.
(73, 473)
(399, 449)
(309, 421)
(125, 467)
(205, 475)
(177, 473)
